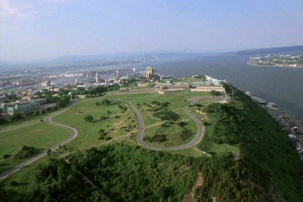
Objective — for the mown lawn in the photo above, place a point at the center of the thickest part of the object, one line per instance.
(119, 124)
(144, 103)
(41, 136)
(24, 122)
(24, 177)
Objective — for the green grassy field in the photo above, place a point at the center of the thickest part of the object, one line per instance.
(119, 125)
(41, 136)
(23, 122)
(24, 177)
(144, 103)
(206, 144)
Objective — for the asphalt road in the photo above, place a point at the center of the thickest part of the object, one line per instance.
(74, 133)
(194, 142)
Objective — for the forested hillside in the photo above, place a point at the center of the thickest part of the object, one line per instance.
(267, 169)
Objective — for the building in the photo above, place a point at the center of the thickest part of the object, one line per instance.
(3, 98)
(149, 72)
(208, 88)
(23, 108)
(213, 80)
(46, 84)
(97, 79)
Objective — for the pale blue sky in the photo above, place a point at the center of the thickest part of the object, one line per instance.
(34, 29)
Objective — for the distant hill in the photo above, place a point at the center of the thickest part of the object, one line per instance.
(276, 50)
(121, 56)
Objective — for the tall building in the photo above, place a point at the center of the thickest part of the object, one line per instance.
(149, 72)
(46, 84)
(97, 78)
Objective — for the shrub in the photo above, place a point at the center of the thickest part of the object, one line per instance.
(5, 156)
(14, 183)
(88, 118)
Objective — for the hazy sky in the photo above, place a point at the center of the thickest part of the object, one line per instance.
(33, 29)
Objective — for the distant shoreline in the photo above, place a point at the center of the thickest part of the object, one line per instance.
(287, 66)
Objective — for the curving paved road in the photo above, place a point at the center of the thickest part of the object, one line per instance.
(194, 142)
(29, 161)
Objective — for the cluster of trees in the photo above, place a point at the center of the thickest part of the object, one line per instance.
(89, 118)
(97, 91)
(22, 153)
(156, 138)
(166, 114)
(215, 93)
(128, 82)
(123, 108)
(102, 135)
(230, 119)
(103, 102)
(261, 141)
(119, 172)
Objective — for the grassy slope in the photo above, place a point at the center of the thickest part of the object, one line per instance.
(88, 132)
(24, 122)
(41, 136)
(153, 124)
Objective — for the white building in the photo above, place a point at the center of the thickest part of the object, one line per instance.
(46, 84)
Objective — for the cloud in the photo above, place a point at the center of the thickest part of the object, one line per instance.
(7, 9)
(27, 9)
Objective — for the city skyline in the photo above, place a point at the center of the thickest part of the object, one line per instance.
(52, 28)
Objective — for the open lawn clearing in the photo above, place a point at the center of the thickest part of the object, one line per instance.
(193, 151)
(215, 149)
(149, 104)
(23, 122)
(119, 121)
(41, 136)
(24, 177)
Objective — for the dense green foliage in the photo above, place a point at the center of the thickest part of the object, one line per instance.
(88, 118)
(266, 155)
(24, 152)
(215, 93)
(156, 138)
(117, 172)
(166, 114)
(267, 168)
(97, 91)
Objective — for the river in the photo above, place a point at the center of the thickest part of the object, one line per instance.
(284, 86)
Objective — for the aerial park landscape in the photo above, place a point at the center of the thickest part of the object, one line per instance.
(145, 120)
(169, 101)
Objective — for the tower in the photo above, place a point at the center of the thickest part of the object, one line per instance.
(97, 77)
(149, 72)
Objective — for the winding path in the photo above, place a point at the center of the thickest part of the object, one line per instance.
(39, 156)
(140, 136)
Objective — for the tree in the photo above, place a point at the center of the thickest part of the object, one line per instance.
(17, 116)
(103, 118)
(88, 118)
(215, 93)
(48, 152)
